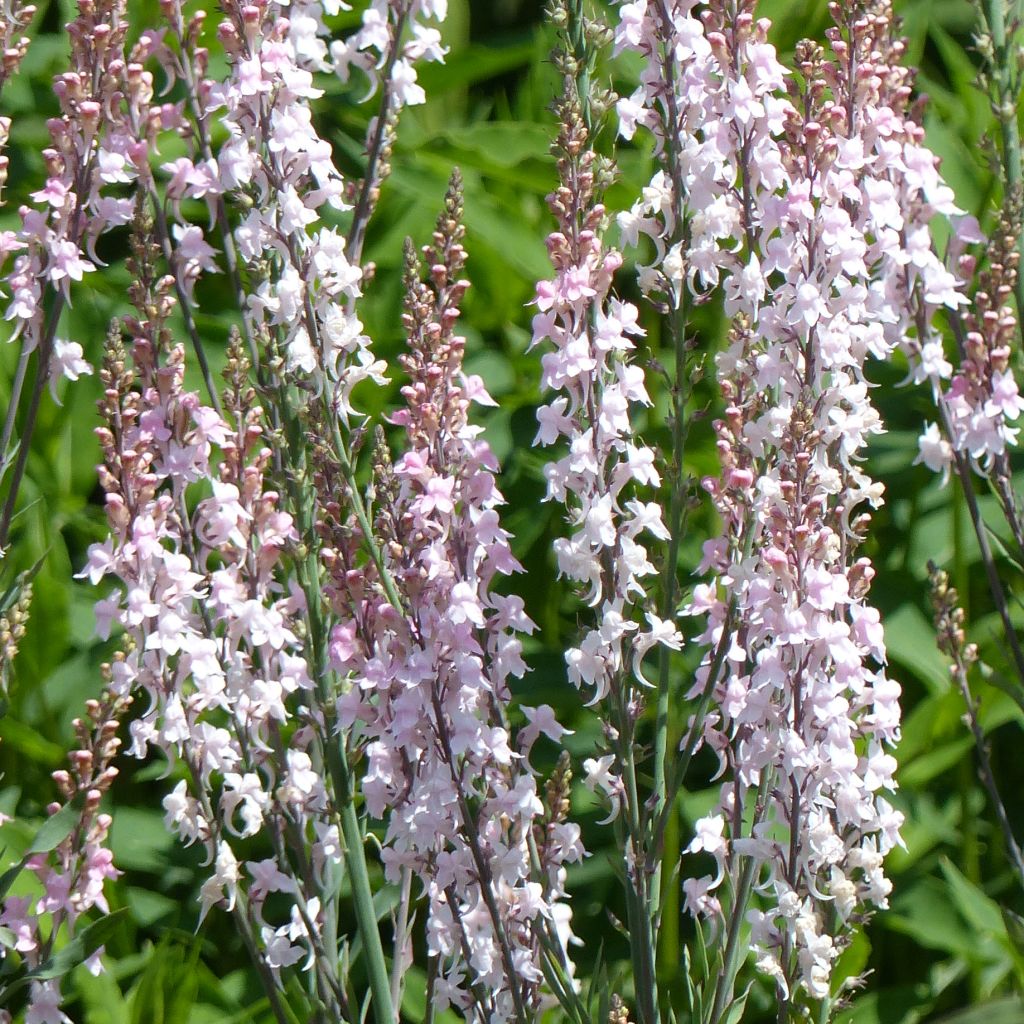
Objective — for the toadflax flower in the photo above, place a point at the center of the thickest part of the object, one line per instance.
(429, 649)
(794, 202)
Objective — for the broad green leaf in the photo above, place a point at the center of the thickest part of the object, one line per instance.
(910, 640)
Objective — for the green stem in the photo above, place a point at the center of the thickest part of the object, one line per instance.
(337, 761)
(12, 405)
(670, 590)
(680, 390)
(163, 236)
(375, 148)
(1006, 112)
(25, 445)
(638, 897)
(1007, 91)
(734, 951)
(362, 515)
(362, 894)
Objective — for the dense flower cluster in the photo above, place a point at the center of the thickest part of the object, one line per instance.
(379, 50)
(89, 157)
(597, 388)
(280, 169)
(981, 400)
(213, 635)
(305, 275)
(797, 201)
(429, 678)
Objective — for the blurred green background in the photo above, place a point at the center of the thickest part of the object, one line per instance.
(949, 948)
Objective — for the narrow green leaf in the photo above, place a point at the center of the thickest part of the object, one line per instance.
(57, 827)
(80, 948)
(8, 877)
(1001, 1011)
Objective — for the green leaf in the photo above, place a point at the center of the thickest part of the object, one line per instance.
(1000, 1011)
(167, 988)
(506, 144)
(738, 1006)
(1014, 928)
(8, 877)
(57, 827)
(139, 840)
(983, 913)
(910, 640)
(474, 64)
(80, 948)
(30, 743)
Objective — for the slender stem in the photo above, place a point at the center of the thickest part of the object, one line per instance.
(355, 852)
(641, 933)
(398, 961)
(484, 874)
(555, 964)
(734, 953)
(240, 909)
(362, 894)
(433, 962)
(83, 178)
(223, 225)
(281, 1013)
(995, 584)
(730, 965)
(985, 771)
(677, 330)
(677, 775)
(25, 442)
(363, 518)
(995, 14)
(12, 406)
(337, 762)
(1007, 90)
(1003, 480)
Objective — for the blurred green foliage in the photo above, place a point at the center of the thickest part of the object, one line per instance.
(951, 948)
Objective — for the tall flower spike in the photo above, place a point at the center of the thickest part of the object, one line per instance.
(603, 473)
(430, 680)
(598, 387)
(283, 174)
(798, 207)
(88, 152)
(981, 400)
(217, 626)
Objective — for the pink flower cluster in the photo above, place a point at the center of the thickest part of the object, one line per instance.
(290, 642)
(793, 198)
(212, 633)
(89, 158)
(429, 679)
(280, 169)
(982, 400)
(606, 467)
(378, 50)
